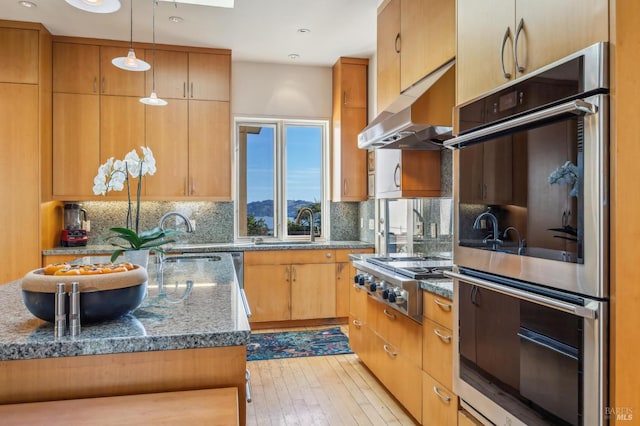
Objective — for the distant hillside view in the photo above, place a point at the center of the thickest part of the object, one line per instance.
(264, 208)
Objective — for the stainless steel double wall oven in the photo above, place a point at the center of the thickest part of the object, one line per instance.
(531, 246)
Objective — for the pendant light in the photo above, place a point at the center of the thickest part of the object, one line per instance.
(130, 62)
(153, 99)
(96, 6)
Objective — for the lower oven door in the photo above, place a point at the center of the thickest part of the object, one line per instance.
(528, 355)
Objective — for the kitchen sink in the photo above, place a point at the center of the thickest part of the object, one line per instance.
(285, 243)
(193, 258)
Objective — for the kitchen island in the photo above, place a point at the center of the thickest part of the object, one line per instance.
(189, 333)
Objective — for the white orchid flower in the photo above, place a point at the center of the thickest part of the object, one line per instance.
(148, 161)
(133, 163)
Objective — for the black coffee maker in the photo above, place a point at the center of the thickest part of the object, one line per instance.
(74, 234)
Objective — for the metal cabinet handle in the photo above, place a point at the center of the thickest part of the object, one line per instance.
(103, 85)
(286, 273)
(445, 398)
(356, 323)
(184, 186)
(345, 187)
(396, 176)
(95, 84)
(442, 305)
(329, 257)
(396, 43)
(519, 68)
(192, 89)
(184, 89)
(295, 273)
(507, 35)
(444, 338)
(344, 97)
(389, 314)
(340, 266)
(389, 351)
(192, 186)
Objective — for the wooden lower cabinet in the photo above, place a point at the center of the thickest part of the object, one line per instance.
(439, 404)
(288, 285)
(437, 352)
(357, 319)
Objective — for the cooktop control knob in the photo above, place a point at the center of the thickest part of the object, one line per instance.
(385, 293)
(372, 286)
(392, 296)
(356, 278)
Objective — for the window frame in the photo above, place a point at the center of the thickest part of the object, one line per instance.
(280, 175)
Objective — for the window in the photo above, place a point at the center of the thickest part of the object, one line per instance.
(281, 168)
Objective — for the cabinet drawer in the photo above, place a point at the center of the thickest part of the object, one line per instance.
(400, 375)
(438, 309)
(439, 404)
(437, 352)
(285, 257)
(358, 302)
(397, 329)
(356, 334)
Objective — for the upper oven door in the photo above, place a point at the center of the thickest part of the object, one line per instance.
(545, 186)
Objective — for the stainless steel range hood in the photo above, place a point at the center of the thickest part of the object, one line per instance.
(420, 118)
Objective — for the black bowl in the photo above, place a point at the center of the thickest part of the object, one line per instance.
(95, 306)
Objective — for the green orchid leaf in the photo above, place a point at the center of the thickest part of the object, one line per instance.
(116, 254)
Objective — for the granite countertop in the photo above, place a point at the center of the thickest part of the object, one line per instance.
(440, 286)
(172, 316)
(218, 247)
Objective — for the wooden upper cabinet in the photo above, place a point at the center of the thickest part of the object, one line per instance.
(415, 37)
(19, 53)
(427, 37)
(171, 73)
(116, 81)
(166, 135)
(349, 172)
(401, 173)
(76, 68)
(550, 30)
(76, 135)
(388, 52)
(210, 156)
(209, 76)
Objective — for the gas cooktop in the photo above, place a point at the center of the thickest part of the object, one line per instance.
(414, 266)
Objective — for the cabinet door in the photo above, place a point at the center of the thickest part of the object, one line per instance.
(343, 283)
(210, 156)
(351, 184)
(437, 352)
(171, 71)
(166, 135)
(388, 52)
(76, 68)
(20, 197)
(354, 86)
(76, 144)
(19, 53)
(122, 124)
(116, 81)
(209, 76)
(268, 292)
(388, 171)
(428, 38)
(313, 291)
(553, 30)
(407, 173)
(482, 26)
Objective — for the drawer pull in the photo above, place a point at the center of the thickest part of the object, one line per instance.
(444, 338)
(356, 323)
(445, 398)
(390, 314)
(442, 305)
(389, 351)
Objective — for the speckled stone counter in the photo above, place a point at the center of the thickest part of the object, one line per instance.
(217, 247)
(440, 286)
(175, 315)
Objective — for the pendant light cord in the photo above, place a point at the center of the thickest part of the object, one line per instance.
(153, 68)
(131, 26)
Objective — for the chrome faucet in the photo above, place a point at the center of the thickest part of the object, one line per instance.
(312, 233)
(521, 243)
(495, 233)
(187, 222)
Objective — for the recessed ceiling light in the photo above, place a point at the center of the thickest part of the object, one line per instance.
(27, 4)
(303, 30)
(293, 56)
(175, 19)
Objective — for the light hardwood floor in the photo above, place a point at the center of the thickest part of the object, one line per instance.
(324, 390)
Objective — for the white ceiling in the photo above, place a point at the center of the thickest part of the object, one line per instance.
(255, 30)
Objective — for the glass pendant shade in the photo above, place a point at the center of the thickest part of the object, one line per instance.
(153, 100)
(130, 62)
(96, 6)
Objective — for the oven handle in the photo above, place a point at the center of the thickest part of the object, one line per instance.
(576, 107)
(590, 311)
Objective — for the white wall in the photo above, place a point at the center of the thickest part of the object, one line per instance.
(277, 90)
